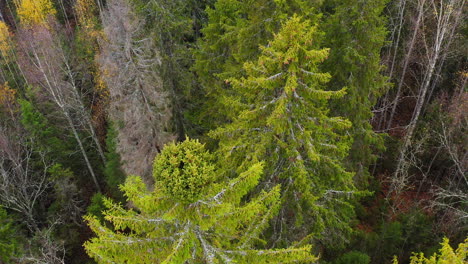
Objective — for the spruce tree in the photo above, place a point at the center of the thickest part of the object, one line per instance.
(446, 255)
(191, 216)
(113, 172)
(284, 120)
(235, 31)
(44, 134)
(355, 33)
(9, 238)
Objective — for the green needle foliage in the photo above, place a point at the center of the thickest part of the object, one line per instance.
(283, 119)
(9, 242)
(45, 134)
(112, 169)
(191, 216)
(355, 33)
(235, 30)
(447, 255)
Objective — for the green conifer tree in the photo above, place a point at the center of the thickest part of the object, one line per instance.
(45, 134)
(235, 31)
(112, 169)
(447, 255)
(284, 120)
(355, 33)
(191, 216)
(9, 239)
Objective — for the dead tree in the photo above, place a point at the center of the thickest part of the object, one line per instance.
(139, 106)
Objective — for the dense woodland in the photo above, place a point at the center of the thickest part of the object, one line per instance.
(233, 131)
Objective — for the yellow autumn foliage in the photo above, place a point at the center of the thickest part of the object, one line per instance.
(5, 42)
(87, 16)
(34, 12)
(86, 13)
(100, 86)
(88, 19)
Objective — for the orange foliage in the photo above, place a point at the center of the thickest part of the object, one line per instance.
(100, 86)
(6, 94)
(7, 98)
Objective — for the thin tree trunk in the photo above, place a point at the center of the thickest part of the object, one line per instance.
(406, 61)
(401, 14)
(57, 98)
(83, 152)
(443, 23)
(444, 56)
(83, 111)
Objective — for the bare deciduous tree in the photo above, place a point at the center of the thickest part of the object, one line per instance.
(27, 185)
(408, 54)
(444, 16)
(439, 160)
(47, 66)
(451, 193)
(44, 249)
(21, 185)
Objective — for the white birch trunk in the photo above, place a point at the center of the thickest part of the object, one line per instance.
(445, 14)
(406, 61)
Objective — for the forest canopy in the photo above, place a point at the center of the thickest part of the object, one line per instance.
(233, 131)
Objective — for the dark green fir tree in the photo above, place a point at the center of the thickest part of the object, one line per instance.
(284, 120)
(235, 31)
(355, 32)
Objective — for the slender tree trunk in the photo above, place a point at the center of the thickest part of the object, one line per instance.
(444, 15)
(65, 14)
(82, 109)
(61, 103)
(444, 55)
(83, 152)
(401, 15)
(406, 61)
